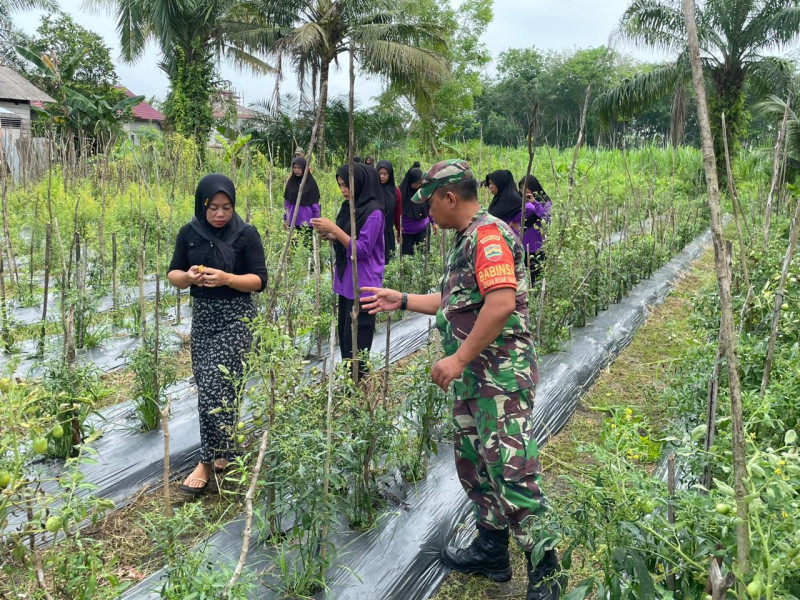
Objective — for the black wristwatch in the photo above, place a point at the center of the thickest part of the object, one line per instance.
(403, 301)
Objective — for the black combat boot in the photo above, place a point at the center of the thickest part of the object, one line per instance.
(487, 555)
(545, 582)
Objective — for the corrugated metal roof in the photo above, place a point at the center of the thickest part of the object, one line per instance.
(143, 111)
(14, 86)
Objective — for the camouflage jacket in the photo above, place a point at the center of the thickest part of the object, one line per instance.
(487, 256)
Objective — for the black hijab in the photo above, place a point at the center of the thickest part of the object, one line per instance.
(507, 203)
(412, 210)
(388, 190)
(310, 190)
(222, 238)
(367, 198)
(530, 183)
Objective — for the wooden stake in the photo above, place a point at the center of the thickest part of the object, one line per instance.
(727, 333)
(47, 251)
(776, 169)
(779, 295)
(353, 232)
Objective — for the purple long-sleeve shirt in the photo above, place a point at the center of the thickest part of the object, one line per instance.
(304, 214)
(413, 226)
(370, 253)
(533, 237)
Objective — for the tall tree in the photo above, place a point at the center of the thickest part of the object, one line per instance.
(192, 35)
(313, 34)
(60, 36)
(9, 35)
(735, 39)
(446, 108)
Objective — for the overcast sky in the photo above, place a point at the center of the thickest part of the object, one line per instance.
(546, 24)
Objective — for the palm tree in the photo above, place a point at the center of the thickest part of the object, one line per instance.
(312, 34)
(735, 39)
(9, 36)
(192, 35)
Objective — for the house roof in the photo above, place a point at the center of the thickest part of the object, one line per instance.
(14, 86)
(143, 111)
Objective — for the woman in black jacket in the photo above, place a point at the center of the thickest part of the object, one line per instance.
(221, 259)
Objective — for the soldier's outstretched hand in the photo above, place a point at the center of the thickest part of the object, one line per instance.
(380, 300)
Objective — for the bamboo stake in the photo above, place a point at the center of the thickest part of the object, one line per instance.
(140, 264)
(727, 334)
(353, 232)
(47, 251)
(779, 295)
(114, 305)
(671, 508)
(6, 333)
(735, 201)
(776, 169)
(329, 441)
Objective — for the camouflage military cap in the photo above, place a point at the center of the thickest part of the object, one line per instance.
(442, 173)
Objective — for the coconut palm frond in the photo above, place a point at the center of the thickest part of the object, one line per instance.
(771, 75)
(653, 23)
(635, 93)
(402, 62)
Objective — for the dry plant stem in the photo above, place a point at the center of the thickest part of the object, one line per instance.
(581, 137)
(6, 334)
(47, 251)
(779, 295)
(727, 333)
(12, 268)
(776, 169)
(329, 438)
(353, 232)
(734, 202)
(671, 509)
(711, 414)
(553, 168)
(140, 264)
(273, 297)
(114, 272)
(37, 557)
(248, 512)
(531, 124)
(719, 584)
(317, 286)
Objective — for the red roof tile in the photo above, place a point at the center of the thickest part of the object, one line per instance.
(143, 111)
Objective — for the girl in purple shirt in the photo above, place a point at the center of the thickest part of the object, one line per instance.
(415, 218)
(537, 215)
(369, 252)
(309, 203)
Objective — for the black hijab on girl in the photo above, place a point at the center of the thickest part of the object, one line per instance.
(310, 190)
(507, 203)
(412, 210)
(222, 238)
(367, 197)
(530, 183)
(388, 188)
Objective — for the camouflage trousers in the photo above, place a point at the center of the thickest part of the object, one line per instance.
(497, 461)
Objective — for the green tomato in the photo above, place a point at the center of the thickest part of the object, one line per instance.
(754, 589)
(258, 422)
(723, 509)
(53, 524)
(785, 306)
(5, 479)
(40, 445)
(58, 432)
(239, 426)
(240, 438)
(648, 507)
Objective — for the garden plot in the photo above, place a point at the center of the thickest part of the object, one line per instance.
(399, 557)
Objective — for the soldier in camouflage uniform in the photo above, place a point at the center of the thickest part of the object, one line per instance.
(482, 314)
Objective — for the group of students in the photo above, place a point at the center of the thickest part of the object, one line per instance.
(404, 223)
(490, 358)
(222, 260)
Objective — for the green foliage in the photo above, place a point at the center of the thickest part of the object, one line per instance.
(60, 36)
(187, 106)
(618, 514)
(149, 404)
